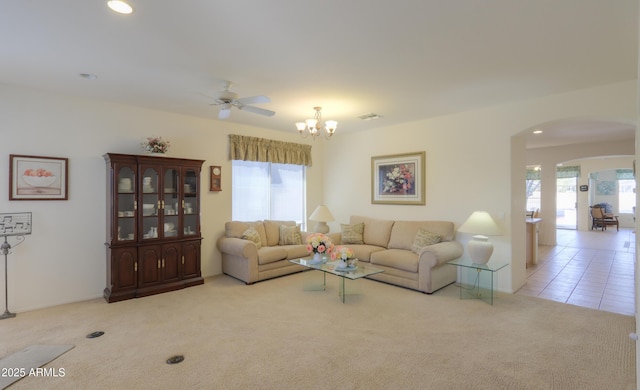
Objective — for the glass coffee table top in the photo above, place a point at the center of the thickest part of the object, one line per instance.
(362, 270)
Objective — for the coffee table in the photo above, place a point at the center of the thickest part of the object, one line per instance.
(361, 271)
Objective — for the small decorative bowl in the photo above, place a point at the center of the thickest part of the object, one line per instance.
(39, 181)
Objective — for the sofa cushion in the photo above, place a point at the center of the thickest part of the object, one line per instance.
(272, 230)
(396, 258)
(270, 254)
(363, 252)
(376, 231)
(252, 234)
(404, 232)
(352, 234)
(290, 235)
(235, 229)
(296, 251)
(423, 239)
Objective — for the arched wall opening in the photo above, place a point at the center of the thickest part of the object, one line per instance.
(602, 148)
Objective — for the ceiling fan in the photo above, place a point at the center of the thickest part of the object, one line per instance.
(227, 99)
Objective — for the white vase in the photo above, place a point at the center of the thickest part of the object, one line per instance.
(317, 257)
(342, 264)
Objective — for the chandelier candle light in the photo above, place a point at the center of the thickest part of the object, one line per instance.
(312, 126)
(482, 225)
(322, 215)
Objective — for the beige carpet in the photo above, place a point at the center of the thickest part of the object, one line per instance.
(274, 335)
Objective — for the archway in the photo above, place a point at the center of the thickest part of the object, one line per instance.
(560, 141)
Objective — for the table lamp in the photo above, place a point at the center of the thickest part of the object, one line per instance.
(482, 225)
(322, 215)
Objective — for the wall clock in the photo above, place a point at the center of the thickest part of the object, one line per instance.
(215, 178)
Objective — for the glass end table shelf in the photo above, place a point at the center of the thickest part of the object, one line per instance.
(476, 280)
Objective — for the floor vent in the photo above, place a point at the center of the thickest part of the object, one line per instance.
(175, 359)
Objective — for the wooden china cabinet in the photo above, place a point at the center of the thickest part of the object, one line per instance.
(153, 225)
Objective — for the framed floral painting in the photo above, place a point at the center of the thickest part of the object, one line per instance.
(38, 178)
(398, 179)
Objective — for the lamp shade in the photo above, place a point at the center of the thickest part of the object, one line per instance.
(482, 225)
(481, 222)
(321, 214)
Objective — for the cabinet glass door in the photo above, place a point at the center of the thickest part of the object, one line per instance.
(191, 212)
(171, 202)
(150, 203)
(126, 204)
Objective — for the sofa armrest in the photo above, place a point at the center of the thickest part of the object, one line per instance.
(440, 253)
(238, 247)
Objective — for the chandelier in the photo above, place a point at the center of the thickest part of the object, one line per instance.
(312, 127)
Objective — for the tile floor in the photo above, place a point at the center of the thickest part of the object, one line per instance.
(592, 269)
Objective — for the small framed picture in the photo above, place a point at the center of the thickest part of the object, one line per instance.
(38, 178)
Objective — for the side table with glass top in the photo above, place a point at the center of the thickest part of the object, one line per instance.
(476, 280)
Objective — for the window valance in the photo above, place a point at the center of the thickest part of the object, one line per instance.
(265, 150)
(565, 172)
(624, 174)
(533, 173)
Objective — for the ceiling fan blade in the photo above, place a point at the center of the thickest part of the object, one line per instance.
(257, 110)
(225, 112)
(254, 100)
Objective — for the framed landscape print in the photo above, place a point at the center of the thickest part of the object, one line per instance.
(398, 179)
(38, 178)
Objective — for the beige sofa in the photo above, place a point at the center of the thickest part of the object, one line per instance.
(264, 251)
(267, 255)
(393, 246)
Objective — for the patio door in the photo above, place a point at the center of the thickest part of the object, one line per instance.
(566, 203)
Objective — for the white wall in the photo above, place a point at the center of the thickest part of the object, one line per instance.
(64, 260)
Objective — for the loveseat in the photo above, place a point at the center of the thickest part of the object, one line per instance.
(255, 251)
(413, 254)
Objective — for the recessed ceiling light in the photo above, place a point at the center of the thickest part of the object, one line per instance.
(88, 76)
(120, 6)
(537, 132)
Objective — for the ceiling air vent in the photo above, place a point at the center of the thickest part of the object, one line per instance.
(369, 117)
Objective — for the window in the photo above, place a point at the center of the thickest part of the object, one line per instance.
(268, 191)
(533, 188)
(626, 195)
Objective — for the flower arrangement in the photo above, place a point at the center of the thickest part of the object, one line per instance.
(342, 253)
(155, 145)
(319, 243)
(399, 180)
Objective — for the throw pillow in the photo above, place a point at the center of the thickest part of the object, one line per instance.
(424, 238)
(352, 234)
(252, 234)
(290, 235)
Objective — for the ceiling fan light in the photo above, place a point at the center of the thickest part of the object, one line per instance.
(120, 6)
